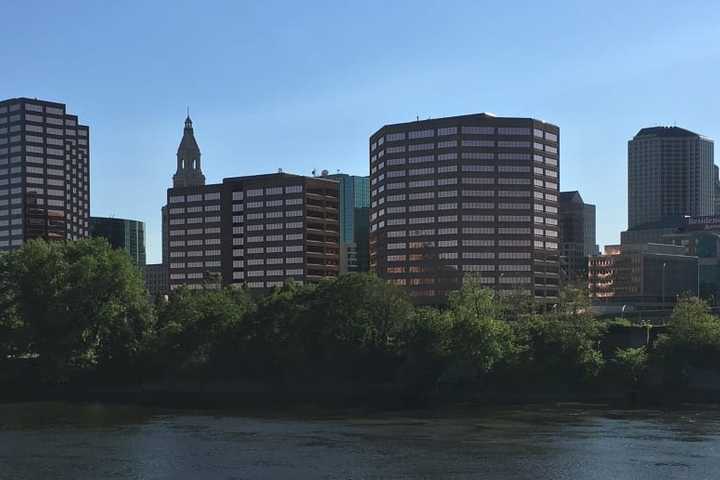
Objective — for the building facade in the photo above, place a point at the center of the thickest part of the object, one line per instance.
(258, 231)
(156, 279)
(577, 236)
(354, 192)
(128, 235)
(44, 173)
(671, 174)
(643, 274)
(472, 194)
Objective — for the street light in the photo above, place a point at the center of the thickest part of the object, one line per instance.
(663, 282)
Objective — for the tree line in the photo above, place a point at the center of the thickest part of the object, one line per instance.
(78, 312)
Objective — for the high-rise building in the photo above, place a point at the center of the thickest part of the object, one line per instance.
(468, 194)
(577, 236)
(128, 235)
(716, 188)
(670, 175)
(44, 173)
(156, 279)
(258, 231)
(354, 194)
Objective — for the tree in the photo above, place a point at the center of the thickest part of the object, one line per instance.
(198, 332)
(479, 338)
(692, 340)
(561, 345)
(362, 320)
(631, 363)
(80, 307)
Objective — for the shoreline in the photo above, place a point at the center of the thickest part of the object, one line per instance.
(371, 400)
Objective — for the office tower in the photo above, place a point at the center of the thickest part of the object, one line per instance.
(44, 173)
(716, 189)
(156, 279)
(643, 274)
(670, 176)
(165, 236)
(472, 194)
(354, 194)
(128, 235)
(577, 236)
(258, 231)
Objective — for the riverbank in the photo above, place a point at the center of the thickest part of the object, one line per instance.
(221, 395)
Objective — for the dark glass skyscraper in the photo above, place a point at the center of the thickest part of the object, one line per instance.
(44, 173)
(128, 235)
(577, 235)
(354, 210)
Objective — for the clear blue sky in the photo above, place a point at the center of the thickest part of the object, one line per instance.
(301, 85)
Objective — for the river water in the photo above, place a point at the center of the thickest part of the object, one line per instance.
(93, 441)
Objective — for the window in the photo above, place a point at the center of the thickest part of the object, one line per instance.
(421, 183)
(478, 130)
(478, 168)
(421, 146)
(447, 131)
(447, 156)
(422, 159)
(513, 131)
(421, 134)
(478, 143)
(412, 171)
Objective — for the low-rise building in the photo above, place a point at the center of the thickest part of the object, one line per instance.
(643, 274)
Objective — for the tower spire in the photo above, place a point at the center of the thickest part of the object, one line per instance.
(189, 171)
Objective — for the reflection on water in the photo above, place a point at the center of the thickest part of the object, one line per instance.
(63, 441)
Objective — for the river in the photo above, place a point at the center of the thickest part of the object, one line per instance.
(94, 441)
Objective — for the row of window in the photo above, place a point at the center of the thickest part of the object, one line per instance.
(469, 130)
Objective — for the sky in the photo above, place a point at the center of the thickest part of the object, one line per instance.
(302, 85)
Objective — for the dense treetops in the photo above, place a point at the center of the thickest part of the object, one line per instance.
(79, 312)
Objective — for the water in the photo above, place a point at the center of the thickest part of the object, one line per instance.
(63, 441)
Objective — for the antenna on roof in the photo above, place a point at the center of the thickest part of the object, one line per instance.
(417, 118)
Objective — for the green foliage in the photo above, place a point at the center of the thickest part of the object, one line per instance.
(631, 364)
(561, 345)
(79, 311)
(196, 329)
(479, 339)
(692, 340)
(78, 306)
(619, 322)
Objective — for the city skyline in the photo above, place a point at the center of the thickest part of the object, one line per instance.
(248, 75)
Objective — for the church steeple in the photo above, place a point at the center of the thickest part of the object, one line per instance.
(189, 171)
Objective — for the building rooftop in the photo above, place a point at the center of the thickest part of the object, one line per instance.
(666, 132)
(483, 115)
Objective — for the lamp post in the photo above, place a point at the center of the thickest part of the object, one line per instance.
(663, 282)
